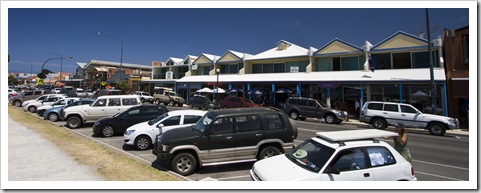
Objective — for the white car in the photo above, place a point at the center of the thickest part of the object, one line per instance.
(354, 155)
(80, 93)
(56, 90)
(32, 105)
(59, 103)
(142, 134)
(12, 92)
(144, 96)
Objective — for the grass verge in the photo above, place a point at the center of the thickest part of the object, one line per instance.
(110, 164)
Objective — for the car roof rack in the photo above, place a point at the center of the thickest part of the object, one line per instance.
(353, 135)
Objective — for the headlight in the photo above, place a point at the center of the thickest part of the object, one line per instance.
(97, 123)
(452, 121)
(129, 132)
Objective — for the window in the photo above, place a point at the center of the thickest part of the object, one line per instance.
(129, 101)
(302, 102)
(189, 119)
(350, 63)
(248, 123)
(350, 159)
(222, 125)
(383, 61)
(114, 102)
(256, 68)
(175, 120)
(407, 109)
(401, 60)
(100, 103)
(465, 49)
(39, 92)
(274, 122)
(293, 101)
(380, 156)
(421, 60)
(279, 67)
(311, 103)
(391, 107)
(375, 106)
(133, 112)
(323, 64)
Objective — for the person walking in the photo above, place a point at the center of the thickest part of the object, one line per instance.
(401, 141)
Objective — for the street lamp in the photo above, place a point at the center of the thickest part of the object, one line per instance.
(61, 63)
(217, 85)
(121, 49)
(41, 71)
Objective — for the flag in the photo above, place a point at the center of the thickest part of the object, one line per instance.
(372, 64)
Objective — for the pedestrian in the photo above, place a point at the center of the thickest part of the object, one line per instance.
(357, 108)
(401, 141)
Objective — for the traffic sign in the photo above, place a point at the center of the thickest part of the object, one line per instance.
(40, 81)
(103, 83)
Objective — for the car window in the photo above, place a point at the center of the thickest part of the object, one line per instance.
(129, 101)
(292, 101)
(311, 103)
(174, 120)
(222, 125)
(380, 156)
(248, 123)
(37, 92)
(302, 102)
(41, 98)
(349, 159)
(391, 107)
(152, 111)
(114, 102)
(310, 155)
(375, 106)
(274, 122)
(189, 119)
(235, 100)
(100, 103)
(133, 112)
(407, 109)
(27, 93)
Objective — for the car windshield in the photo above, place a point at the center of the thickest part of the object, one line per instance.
(145, 94)
(322, 104)
(310, 155)
(59, 102)
(247, 100)
(203, 122)
(153, 121)
(172, 93)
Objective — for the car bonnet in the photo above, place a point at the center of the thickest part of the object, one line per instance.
(280, 168)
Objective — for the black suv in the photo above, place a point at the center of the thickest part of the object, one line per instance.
(227, 136)
(202, 102)
(301, 108)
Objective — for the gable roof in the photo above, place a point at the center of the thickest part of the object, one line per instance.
(234, 56)
(400, 41)
(176, 61)
(206, 59)
(337, 46)
(291, 50)
(189, 57)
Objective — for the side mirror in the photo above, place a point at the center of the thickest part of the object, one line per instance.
(192, 127)
(160, 125)
(332, 171)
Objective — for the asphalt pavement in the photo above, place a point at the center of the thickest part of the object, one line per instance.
(33, 158)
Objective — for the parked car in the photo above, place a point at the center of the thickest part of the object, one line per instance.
(67, 90)
(354, 155)
(383, 114)
(142, 135)
(236, 102)
(25, 96)
(55, 113)
(301, 108)
(202, 102)
(104, 106)
(258, 133)
(80, 93)
(144, 96)
(167, 96)
(117, 124)
(90, 93)
(56, 90)
(103, 92)
(12, 92)
(58, 103)
(48, 99)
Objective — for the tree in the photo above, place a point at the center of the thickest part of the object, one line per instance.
(124, 86)
(12, 80)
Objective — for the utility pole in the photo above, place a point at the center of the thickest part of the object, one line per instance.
(431, 66)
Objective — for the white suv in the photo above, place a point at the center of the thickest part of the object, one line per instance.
(143, 134)
(354, 155)
(383, 114)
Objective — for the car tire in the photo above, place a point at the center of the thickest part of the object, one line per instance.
(294, 115)
(166, 104)
(40, 113)
(330, 118)
(302, 118)
(142, 142)
(17, 103)
(184, 164)
(268, 151)
(142, 100)
(180, 105)
(74, 122)
(157, 101)
(32, 109)
(379, 123)
(52, 117)
(171, 103)
(437, 129)
(191, 106)
(107, 131)
(206, 107)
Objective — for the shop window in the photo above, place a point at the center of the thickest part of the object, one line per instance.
(350, 63)
(323, 64)
(279, 67)
(401, 60)
(256, 68)
(421, 60)
(268, 68)
(383, 61)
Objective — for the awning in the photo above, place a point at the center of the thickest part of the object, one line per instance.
(101, 69)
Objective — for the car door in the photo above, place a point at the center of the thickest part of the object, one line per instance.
(383, 165)
(169, 122)
(352, 164)
(113, 106)
(248, 133)
(221, 144)
(128, 118)
(411, 117)
(391, 113)
(97, 110)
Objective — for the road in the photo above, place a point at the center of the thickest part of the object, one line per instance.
(435, 158)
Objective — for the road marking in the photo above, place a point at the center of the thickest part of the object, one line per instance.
(146, 155)
(449, 166)
(209, 179)
(417, 172)
(233, 177)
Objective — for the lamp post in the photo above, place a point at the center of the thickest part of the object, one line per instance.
(121, 49)
(61, 58)
(61, 63)
(217, 85)
(431, 71)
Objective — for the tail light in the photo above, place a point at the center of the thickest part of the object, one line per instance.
(412, 170)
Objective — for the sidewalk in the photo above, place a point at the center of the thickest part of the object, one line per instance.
(33, 158)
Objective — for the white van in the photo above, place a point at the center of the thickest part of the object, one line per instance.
(104, 106)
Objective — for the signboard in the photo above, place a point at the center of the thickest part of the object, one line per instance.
(103, 83)
(40, 81)
(194, 67)
(294, 68)
(169, 75)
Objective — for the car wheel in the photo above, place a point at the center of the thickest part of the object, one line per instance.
(268, 151)
(73, 122)
(330, 118)
(32, 109)
(206, 107)
(166, 104)
(52, 117)
(142, 100)
(17, 103)
(171, 103)
(40, 113)
(191, 106)
(107, 131)
(184, 164)
(157, 101)
(142, 142)
(180, 105)
(302, 118)
(437, 129)
(294, 115)
(379, 123)
(224, 107)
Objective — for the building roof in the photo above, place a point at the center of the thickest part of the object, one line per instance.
(117, 64)
(233, 56)
(289, 51)
(206, 59)
(401, 75)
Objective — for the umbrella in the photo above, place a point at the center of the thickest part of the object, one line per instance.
(283, 90)
(220, 90)
(420, 93)
(257, 91)
(235, 90)
(205, 89)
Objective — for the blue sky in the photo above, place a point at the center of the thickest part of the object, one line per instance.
(159, 33)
